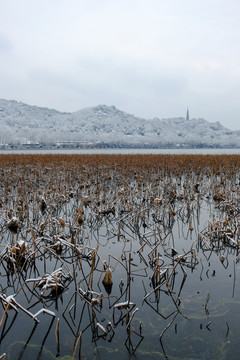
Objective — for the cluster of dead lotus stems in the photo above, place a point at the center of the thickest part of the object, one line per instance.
(60, 214)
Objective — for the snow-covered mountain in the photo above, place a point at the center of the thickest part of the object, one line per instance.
(24, 124)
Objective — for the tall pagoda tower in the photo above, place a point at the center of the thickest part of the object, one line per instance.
(187, 116)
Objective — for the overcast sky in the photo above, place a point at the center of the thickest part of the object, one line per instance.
(151, 58)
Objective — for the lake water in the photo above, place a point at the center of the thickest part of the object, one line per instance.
(124, 151)
(170, 247)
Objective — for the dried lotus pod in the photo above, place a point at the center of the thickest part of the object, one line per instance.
(43, 205)
(86, 200)
(80, 220)
(13, 224)
(107, 281)
(62, 222)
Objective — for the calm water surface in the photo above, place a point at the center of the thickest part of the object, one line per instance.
(198, 310)
(126, 151)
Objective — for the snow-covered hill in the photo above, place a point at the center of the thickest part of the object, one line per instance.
(25, 124)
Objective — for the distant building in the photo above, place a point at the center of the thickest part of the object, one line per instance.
(187, 116)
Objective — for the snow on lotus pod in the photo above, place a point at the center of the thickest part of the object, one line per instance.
(20, 248)
(86, 200)
(219, 196)
(13, 224)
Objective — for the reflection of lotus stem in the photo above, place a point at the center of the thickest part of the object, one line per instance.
(92, 268)
(57, 336)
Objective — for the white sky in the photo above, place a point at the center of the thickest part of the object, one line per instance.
(151, 58)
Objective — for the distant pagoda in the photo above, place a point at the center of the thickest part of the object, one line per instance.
(187, 116)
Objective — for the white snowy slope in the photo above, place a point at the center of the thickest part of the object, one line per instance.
(21, 124)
